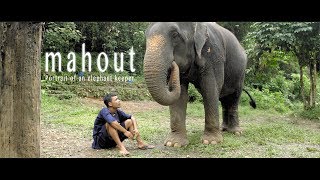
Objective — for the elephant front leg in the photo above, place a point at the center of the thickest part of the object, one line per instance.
(212, 133)
(178, 135)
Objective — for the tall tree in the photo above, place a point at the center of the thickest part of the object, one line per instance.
(20, 47)
(300, 38)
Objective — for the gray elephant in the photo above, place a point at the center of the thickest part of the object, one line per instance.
(206, 55)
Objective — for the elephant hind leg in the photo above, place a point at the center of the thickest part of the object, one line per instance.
(225, 121)
(230, 113)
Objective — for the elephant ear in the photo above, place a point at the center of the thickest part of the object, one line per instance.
(200, 38)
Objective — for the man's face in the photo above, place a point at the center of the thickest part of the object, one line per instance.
(115, 102)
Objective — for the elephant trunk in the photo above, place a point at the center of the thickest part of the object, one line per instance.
(161, 72)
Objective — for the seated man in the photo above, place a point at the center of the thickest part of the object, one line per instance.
(112, 126)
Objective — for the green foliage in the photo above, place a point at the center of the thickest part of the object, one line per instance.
(134, 94)
(194, 95)
(295, 88)
(277, 35)
(275, 51)
(135, 90)
(95, 34)
(115, 37)
(270, 65)
(239, 29)
(266, 99)
(108, 37)
(60, 36)
(313, 114)
(302, 39)
(276, 72)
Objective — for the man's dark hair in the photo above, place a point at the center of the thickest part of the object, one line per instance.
(108, 98)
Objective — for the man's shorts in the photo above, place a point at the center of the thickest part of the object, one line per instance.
(104, 140)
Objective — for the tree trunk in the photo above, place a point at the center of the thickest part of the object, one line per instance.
(313, 83)
(305, 103)
(20, 46)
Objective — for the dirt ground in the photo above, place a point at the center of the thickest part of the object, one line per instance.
(59, 142)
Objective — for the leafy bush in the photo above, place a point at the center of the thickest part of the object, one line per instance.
(61, 37)
(296, 86)
(115, 37)
(128, 91)
(313, 114)
(266, 99)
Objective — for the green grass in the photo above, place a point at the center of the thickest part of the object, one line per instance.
(68, 111)
(266, 133)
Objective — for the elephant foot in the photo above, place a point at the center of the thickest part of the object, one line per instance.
(235, 130)
(224, 127)
(176, 140)
(212, 137)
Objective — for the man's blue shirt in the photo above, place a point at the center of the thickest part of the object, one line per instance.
(105, 116)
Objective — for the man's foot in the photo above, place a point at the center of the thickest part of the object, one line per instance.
(145, 146)
(124, 153)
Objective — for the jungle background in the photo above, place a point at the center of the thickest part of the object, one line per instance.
(282, 76)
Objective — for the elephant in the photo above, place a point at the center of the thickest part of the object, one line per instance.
(206, 55)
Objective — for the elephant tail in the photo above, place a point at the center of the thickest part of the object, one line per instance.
(252, 102)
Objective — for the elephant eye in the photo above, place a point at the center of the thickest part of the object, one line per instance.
(175, 34)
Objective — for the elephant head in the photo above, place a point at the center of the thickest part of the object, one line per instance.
(170, 51)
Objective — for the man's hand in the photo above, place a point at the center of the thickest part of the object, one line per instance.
(128, 134)
(135, 133)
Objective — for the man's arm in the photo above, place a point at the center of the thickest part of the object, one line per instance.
(118, 127)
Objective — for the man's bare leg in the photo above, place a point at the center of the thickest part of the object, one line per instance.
(129, 123)
(115, 136)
